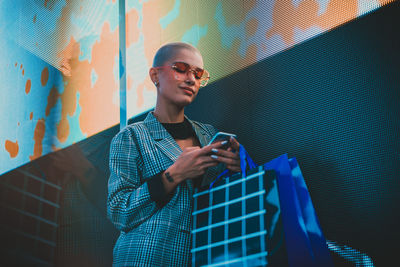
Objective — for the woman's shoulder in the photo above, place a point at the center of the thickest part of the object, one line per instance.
(132, 130)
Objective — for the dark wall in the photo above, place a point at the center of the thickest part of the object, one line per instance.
(333, 103)
(53, 209)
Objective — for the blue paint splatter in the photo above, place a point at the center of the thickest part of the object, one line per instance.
(171, 16)
(194, 34)
(75, 132)
(93, 77)
(86, 46)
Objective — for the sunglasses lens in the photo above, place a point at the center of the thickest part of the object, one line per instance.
(181, 67)
(198, 73)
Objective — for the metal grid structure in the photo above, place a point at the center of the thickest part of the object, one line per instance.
(30, 205)
(229, 222)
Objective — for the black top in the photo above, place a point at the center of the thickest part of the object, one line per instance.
(180, 130)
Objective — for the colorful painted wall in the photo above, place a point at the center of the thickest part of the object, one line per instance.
(231, 34)
(59, 81)
(60, 58)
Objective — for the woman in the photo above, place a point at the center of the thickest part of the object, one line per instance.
(156, 163)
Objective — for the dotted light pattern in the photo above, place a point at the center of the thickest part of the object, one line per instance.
(61, 62)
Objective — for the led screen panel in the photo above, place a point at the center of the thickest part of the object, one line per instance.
(59, 75)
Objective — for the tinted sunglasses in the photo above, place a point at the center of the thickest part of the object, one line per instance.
(181, 69)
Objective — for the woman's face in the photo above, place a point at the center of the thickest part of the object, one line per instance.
(179, 89)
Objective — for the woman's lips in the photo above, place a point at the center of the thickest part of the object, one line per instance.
(188, 90)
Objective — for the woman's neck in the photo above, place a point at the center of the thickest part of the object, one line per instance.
(169, 115)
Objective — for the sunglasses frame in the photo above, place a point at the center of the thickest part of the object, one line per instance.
(203, 81)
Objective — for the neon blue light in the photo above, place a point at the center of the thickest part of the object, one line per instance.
(244, 246)
(261, 205)
(257, 213)
(239, 238)
(258, 255)
(209, 230)
(230, 202)
(229, 184)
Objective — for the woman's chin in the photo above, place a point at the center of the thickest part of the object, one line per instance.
(184, 101)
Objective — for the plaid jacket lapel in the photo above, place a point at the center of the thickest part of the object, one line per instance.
(162, 138)
(201, 133)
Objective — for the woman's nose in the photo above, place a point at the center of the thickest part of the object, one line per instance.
(190, 79)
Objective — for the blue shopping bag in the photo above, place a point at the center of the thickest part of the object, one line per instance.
(292, 213)
(305, 242)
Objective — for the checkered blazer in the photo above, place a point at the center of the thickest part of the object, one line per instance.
(150, 235)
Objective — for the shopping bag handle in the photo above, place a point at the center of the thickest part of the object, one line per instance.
(245, 160)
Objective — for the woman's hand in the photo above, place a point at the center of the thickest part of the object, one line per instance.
(193, 162)
(229, 156)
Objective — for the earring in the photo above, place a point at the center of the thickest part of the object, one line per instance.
(156, 84)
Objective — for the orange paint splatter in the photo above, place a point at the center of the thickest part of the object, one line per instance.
(235, 14)
(20, 67)
(52, 99)
(28, 86)
(77, 78)
(38, 137)
(23, 72)
(45, 76)
(34, 19)
(31, 116)
(251, 27)
(63, 129)
(45, 3)
(348, 10)
(286, 16)
(140, 99)
(12, 148)
(16, 64)
(384, 2)
(130, 82)
(105, 86)
(132, 30)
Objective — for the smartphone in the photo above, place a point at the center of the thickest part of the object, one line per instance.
(221, 136)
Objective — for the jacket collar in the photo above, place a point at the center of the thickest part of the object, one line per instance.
(165, 141)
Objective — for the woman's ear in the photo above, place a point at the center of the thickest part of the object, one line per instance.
(154, 76)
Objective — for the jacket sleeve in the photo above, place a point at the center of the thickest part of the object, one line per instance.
(128, 202)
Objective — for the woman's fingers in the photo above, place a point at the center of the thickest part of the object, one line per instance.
(234, 144)
(214, 154)
(210, 164)
(225, 153)
(231, 159)
(226, 160)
